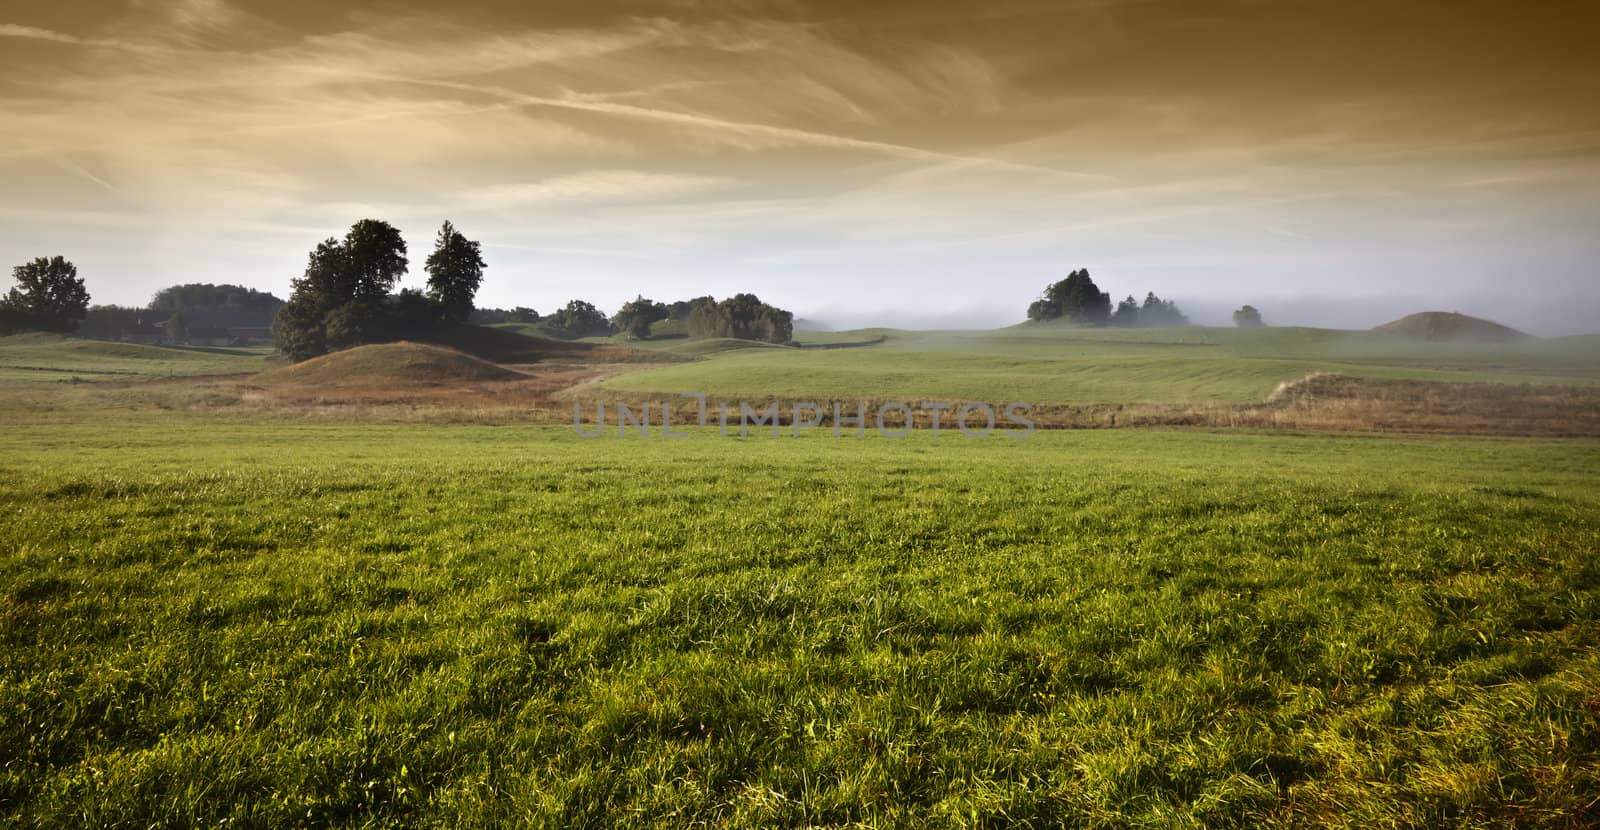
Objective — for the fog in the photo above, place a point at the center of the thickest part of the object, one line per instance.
(1545, 318)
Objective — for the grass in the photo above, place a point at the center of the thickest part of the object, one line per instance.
(1053, 364)
(210, 622)
(53, 358)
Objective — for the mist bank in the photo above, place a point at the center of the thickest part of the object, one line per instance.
(1541, 316)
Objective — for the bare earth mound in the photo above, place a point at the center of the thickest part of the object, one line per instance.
(392, 366)
(1447, 325)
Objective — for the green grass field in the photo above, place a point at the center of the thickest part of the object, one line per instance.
(1055, 364)
(213, 622)
(48, 358)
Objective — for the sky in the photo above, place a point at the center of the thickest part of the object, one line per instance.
(929, 163)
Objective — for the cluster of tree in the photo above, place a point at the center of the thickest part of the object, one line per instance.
(1153, 313)
(681, 309)
(1075, 298)
(741, 316)
(1079, 300)
(578, 319)
(1248, 318)
(344, 299)
(177, 311)
(198, 296)
(48, 296)
(637, 315)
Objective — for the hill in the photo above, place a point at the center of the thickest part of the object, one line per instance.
(392, 366)
(1448, 325)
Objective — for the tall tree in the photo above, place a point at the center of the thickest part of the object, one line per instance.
(455, 270)
(48, 295)
(1248, 317)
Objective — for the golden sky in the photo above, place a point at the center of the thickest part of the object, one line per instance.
(941, 160)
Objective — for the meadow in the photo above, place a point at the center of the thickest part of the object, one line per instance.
(217, 614)
(1095, 365)
(213, 621)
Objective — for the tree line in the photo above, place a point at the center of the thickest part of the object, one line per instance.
(1077, 299)
(344, 299)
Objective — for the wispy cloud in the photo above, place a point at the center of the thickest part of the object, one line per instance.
(594, 187)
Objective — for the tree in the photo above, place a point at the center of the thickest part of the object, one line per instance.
(1248, 318)
(1127, 313)
(299, 329)
(342, 298)
(375, 260)
(1076, 298)
(49, 295)
(636, 316)
(455, 270)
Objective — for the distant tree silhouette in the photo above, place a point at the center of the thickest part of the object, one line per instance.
(681, 309)
(636, 316)
(491, 316)
(48, 296)
(1159, 313)
(236, 300)
(1248, 317)
(455, 271)
(1127, 313)
(1075, 298)
(114, 322)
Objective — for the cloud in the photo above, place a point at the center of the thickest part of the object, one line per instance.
(594, 187)
(51, 36)
(830, 140)
(36, 33)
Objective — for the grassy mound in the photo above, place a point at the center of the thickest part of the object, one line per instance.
(1448, 325)
(391, 366)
